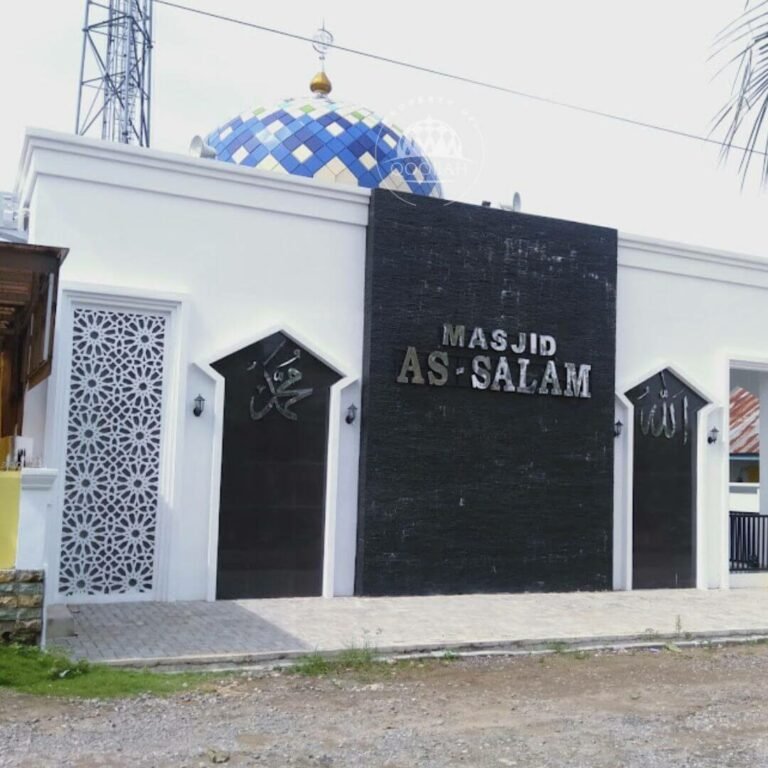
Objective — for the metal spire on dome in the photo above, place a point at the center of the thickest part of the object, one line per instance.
(322, 40)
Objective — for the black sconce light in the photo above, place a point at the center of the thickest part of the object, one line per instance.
(199, 405)
(351, 414)
(617, 427)
(712, 436)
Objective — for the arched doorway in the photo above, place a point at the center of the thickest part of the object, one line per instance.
(274, 459)
(664, 482)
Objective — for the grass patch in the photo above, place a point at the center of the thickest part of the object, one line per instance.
(31, 670)
(557, 647)
(363, 663)
(358, 660)
(311, 665)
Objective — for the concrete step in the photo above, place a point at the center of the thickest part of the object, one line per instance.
(59, 622)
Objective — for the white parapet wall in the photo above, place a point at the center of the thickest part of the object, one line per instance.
(744, 497)
(226, 253)
(698, 311)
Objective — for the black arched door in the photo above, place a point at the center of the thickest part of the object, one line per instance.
(274, 457)
(664, 482)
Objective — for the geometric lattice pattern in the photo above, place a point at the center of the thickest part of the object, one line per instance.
(109, 518)
(329, 141)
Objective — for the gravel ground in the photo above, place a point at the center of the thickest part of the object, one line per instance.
(703, 707)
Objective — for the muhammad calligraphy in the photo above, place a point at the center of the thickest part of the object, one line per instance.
(277, 389)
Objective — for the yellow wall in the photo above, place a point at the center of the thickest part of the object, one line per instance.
(10, 493)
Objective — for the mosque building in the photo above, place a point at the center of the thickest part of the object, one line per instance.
(289, 366)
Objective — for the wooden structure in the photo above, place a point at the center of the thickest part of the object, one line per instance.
(29, 277)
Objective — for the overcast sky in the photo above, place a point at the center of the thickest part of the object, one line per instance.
(646, 60)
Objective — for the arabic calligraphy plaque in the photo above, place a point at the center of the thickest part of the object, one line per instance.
(664, 484)
(272, 503)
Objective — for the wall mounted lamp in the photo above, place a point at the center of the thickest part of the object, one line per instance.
(712, 436)
(617, 427)
(199, 405)
(351, 414)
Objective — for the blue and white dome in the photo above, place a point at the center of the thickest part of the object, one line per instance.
(326, 140)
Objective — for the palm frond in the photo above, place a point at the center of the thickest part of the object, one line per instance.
(754, 14)
(743, 120)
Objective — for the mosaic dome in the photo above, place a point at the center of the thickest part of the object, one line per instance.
(328, 140)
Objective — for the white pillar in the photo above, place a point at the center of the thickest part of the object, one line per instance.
(762, 393)
(34, 513)
(622, 495)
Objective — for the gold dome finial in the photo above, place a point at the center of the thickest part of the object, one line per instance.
(320, 84)
(321, 42)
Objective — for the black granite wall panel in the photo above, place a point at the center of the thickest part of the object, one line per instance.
(464, 488)
(272, 508)
(664, 482)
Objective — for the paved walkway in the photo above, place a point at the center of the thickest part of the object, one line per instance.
(261, 629)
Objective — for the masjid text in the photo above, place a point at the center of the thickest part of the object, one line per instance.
(499, 361)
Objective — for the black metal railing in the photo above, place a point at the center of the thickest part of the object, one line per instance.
(749, 541)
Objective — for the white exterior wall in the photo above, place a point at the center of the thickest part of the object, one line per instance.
(696, 311)
(35, 511)
(35, 400)
(240, 254)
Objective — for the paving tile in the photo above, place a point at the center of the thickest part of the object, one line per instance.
(136, 630)
(141, 630)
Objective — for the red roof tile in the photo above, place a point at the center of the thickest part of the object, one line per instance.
(745, 422)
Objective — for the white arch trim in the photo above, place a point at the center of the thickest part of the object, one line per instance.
(707, 456)
(341, 486)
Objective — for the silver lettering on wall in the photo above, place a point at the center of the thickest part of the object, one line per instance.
(525, 386)
(478, 340)
(438, 368)
(519, 345)
(412, 367)
(547, 346)
(503, 377)
(499, 340)
(277, 390)
(577, 384)
(498, 372)
(550, 384)
(453, 335)
(481, 372)
(661, 418)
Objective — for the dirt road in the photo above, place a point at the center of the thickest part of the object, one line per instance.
(699, 707)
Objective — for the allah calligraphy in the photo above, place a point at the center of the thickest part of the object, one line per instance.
(278, 391)
(665, 417)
